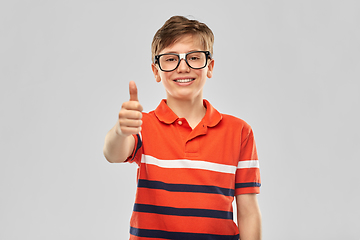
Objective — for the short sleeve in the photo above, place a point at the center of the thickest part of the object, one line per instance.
(136, 153)
(247, 178)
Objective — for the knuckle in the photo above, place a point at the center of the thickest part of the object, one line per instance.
(122, 114)
(132, 105)
(138, 106)
(122, 124)
(124, 105)
(136, 123)
(139, 115)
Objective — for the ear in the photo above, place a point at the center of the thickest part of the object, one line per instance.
(156, 72)
(210, 68)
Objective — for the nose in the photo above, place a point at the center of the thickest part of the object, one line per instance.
(183, 67)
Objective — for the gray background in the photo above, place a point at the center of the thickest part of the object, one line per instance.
(291, 69)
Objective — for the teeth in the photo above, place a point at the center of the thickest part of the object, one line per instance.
(184, 80)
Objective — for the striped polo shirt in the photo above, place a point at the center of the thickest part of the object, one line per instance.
(187, 178)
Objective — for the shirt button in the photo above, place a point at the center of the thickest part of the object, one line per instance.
(180, 122)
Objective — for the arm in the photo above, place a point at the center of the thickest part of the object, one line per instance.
(117, 148)
(249, 217)
(119, 142)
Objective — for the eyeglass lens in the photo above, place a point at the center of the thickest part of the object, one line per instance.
(169, 62)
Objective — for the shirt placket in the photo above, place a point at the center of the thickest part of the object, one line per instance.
(190, 137)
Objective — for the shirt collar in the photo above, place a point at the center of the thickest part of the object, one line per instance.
(166, 115)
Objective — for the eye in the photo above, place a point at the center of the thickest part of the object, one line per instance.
(171, 59)
(193, 58)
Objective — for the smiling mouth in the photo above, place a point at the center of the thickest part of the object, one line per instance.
(184, 80)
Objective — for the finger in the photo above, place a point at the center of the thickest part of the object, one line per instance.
(130, 114)
(133, 91)
(132, 105)
(130, 130)
(130, 123)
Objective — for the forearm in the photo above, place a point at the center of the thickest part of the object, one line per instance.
(119, 142)
(250, 226)
(248, 216)
(117, 148)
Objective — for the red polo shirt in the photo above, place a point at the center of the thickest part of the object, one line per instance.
(187, 178)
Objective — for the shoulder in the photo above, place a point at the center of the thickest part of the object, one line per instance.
(234, 121)
(148, 114)
(236, 126)
(148, 117)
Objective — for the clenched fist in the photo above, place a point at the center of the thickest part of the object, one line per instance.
(130, 114)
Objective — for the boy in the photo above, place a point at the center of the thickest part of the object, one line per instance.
(192, 159)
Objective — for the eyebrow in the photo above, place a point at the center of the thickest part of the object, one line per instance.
(178, 53)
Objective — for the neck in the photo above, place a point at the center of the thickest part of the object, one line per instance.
(192, 110)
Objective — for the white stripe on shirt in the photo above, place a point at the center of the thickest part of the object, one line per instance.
(248, 164)
(184, 163)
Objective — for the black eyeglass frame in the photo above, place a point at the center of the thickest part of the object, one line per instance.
(182, 56)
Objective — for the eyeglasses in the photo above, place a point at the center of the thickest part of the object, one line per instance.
(170, 61)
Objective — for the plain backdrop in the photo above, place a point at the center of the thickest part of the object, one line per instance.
(291, 69)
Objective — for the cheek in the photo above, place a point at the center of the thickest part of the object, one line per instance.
(203, 74)
(165, 76)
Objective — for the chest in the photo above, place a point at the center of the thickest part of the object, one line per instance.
(220, 144)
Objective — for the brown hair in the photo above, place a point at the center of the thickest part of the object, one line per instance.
(177, 27)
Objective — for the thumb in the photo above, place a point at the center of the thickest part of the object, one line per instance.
(133, 91)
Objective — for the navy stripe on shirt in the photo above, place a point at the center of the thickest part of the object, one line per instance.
(248, 184)
(179, 235)
(139, 144)
(187, 212)
(185, 187)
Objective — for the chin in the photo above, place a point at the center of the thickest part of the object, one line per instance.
(185, 97)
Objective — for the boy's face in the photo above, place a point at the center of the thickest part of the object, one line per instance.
(184, 83)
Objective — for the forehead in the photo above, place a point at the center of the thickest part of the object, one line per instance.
(184, 44)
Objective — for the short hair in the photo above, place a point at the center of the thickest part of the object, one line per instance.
(177, 27)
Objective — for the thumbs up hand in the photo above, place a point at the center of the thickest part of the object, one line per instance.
(130, 114)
